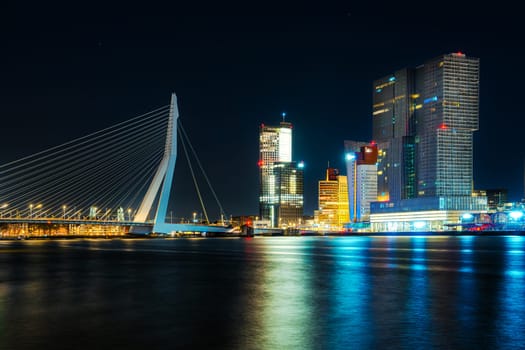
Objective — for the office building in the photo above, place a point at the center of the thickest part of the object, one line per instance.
(333, 201)
(280, 179)
(424, 119)
(393, 125)
(361, 168)
(446, 125)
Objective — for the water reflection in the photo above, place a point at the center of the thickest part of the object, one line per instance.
(287, 319)
(417, 309)
(265, 293)
(511, 303)
(350, 296)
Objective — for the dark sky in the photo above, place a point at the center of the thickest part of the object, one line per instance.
(70, 70)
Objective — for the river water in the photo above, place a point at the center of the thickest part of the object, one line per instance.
(264, 293)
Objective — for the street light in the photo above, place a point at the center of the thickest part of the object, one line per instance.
(3, 206)
(93, 213)
(129, 214)
(30, 211)
(64, 211)
(38, 206)
(194, 217)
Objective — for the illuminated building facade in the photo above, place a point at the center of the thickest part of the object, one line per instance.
(362, 172)
(289, 193)
(280, 179)
(393, 126)
(424, 120)
(446, 125)
(333, 200)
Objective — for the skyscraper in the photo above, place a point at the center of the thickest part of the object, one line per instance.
(280, 179)
(424, 119)
(393, 126)
(446, 125)
(289, 188)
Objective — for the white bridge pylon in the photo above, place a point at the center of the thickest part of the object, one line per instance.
(163, 180)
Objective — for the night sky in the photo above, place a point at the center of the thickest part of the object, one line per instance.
(70, 70)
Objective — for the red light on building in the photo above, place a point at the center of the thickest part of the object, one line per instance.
(443, 126)
(260, 163)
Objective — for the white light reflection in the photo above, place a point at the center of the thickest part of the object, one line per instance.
(287, 285)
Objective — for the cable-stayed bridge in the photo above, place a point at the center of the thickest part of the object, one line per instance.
(117, 179)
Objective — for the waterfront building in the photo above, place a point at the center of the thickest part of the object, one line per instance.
(424, 118)
(361, 168)
(289, 191)
(280, 179)
(496, 198)
(333, 200)
(393, 125)
(446, 125)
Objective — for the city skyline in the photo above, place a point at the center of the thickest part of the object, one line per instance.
(78, 75)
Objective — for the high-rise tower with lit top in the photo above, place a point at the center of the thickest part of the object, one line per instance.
(280, 178)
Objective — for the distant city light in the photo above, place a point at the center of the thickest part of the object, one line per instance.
(516, 214)
(419, 224)
(350, 156)
(392, 79)
(430, 99)
(467, 216)
(300, 165)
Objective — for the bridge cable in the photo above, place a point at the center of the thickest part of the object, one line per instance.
(107, 167)
(193, 174)
(201, 168)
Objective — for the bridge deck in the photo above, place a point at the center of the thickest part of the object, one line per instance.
(60, 221)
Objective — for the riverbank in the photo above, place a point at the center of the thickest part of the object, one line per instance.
(241, 235)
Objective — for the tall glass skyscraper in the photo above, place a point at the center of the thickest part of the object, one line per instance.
(423, 120)
(393, 126)
(445, 126)
(280, 179)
